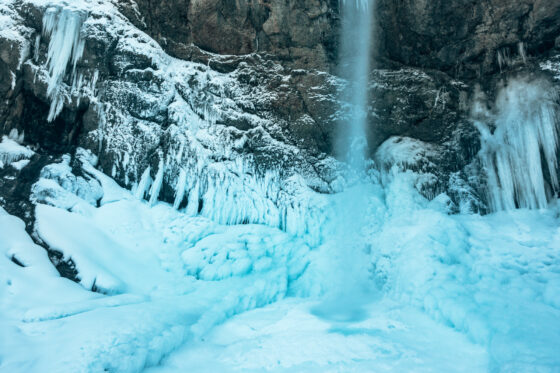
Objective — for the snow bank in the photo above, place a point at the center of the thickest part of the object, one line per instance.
(157, 267)
(490, 277)
(486, 285)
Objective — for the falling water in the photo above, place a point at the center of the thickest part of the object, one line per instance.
(354, 64)
(350, 289)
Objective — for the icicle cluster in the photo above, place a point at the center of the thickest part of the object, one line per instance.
(234, 193)
(66, 46)
(525, 139)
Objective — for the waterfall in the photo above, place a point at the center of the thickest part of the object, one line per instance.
(524, 140)
(350, 288)
(354, 64)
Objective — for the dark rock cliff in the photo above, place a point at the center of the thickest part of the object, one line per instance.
(298, 33)
(263, 83)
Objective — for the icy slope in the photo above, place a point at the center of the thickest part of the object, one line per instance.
(287, 337)
(146, 258)
(495, 277)
(445, 292)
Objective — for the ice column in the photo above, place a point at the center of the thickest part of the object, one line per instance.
(520, 156)
(66, 46)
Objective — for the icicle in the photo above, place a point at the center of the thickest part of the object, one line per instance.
(93, 83)
(36, 50)
(144, 184)
(99, 109)
(11, 151)
(66, 46)
(526, 127)
(192, 205)
(16, 136)
(522, 51)
(156, 186)
(180, 189)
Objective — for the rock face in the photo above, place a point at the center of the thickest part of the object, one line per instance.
(184, 100)
(243, 132)
(298, 33)
(463, 39)
(466, 39)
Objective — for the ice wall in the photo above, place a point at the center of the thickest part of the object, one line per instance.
(520, 145)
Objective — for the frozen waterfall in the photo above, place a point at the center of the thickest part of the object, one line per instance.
(520, 156)
(66, 46)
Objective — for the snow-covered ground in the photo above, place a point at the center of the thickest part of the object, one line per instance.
(394, 284)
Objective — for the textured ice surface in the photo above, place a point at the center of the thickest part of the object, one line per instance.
(288, 337)
(141, 256)
(373, 279)
(168, 128)
(525, 136)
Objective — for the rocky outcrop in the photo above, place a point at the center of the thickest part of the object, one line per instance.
(245, 91)
(466, 39)
(297, 33)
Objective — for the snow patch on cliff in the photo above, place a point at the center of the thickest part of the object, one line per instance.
(12, 152)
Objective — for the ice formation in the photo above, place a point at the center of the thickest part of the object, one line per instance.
(525, 137)
(66, 46)
(467, 286)
(11, 151)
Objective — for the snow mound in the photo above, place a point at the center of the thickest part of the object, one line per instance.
(12, 152)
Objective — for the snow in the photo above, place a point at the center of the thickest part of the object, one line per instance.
(251, 270)
(484, 276)
(287, 337)
(405, 152)
(393, 284)
(145, 259)
(151, 98)
(11, 152)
